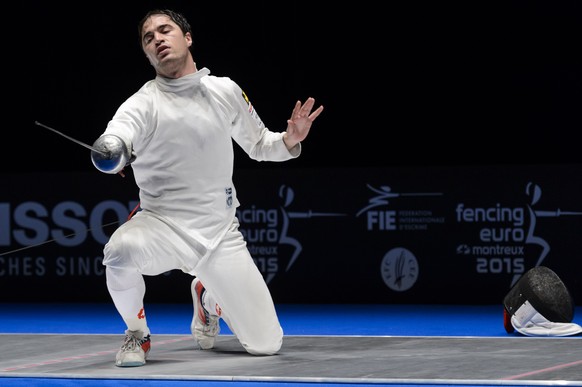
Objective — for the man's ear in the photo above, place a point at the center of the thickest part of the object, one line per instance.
(188, 37)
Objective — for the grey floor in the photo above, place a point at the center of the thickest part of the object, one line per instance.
(332, 359)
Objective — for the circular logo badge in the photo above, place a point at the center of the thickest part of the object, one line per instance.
(399, 269)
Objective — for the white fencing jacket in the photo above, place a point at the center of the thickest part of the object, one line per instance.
(180, 132)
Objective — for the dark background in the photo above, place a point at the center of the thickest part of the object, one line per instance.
(403, 83)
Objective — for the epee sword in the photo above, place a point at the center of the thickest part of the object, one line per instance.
(106, 154)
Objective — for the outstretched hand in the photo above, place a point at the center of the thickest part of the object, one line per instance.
(300, 122)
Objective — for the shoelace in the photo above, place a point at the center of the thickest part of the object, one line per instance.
(203, 313)
(207, 323)
(131, 343)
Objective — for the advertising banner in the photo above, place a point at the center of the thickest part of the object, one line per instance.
(406, 235)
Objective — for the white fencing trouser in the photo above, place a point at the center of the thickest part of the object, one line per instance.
(146, 245)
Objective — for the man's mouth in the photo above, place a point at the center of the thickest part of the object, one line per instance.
(161, 51)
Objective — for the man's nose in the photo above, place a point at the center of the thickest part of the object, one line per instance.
(158, 37)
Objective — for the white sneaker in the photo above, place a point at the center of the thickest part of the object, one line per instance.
(134, 351)
(204, 327)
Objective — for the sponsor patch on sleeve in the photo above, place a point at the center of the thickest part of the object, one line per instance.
(252, 110)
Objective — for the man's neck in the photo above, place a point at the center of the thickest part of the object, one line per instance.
(188, 68)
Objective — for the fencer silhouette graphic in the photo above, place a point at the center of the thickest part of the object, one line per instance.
(534, 192)
(385, 193)
(288, 195)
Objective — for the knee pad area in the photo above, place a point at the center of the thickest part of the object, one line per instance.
(264, 348)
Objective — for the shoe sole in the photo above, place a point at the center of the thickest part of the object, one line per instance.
(131, 360)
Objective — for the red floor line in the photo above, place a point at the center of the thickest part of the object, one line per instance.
(85, 356)
(554, 368)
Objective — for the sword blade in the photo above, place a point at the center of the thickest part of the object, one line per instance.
(53, 240)
(72, 139)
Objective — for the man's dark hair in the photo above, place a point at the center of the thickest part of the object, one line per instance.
(176, 17)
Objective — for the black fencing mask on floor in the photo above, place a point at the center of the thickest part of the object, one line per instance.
(539, 304)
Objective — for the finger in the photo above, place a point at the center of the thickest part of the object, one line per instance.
(296, 109)
(316, 113)
(307, 106)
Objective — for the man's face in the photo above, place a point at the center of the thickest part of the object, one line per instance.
(165, 45)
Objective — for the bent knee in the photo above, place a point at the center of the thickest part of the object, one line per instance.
(265, 348)
(118, 250)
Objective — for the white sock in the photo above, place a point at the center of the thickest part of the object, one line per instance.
(129, 302)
